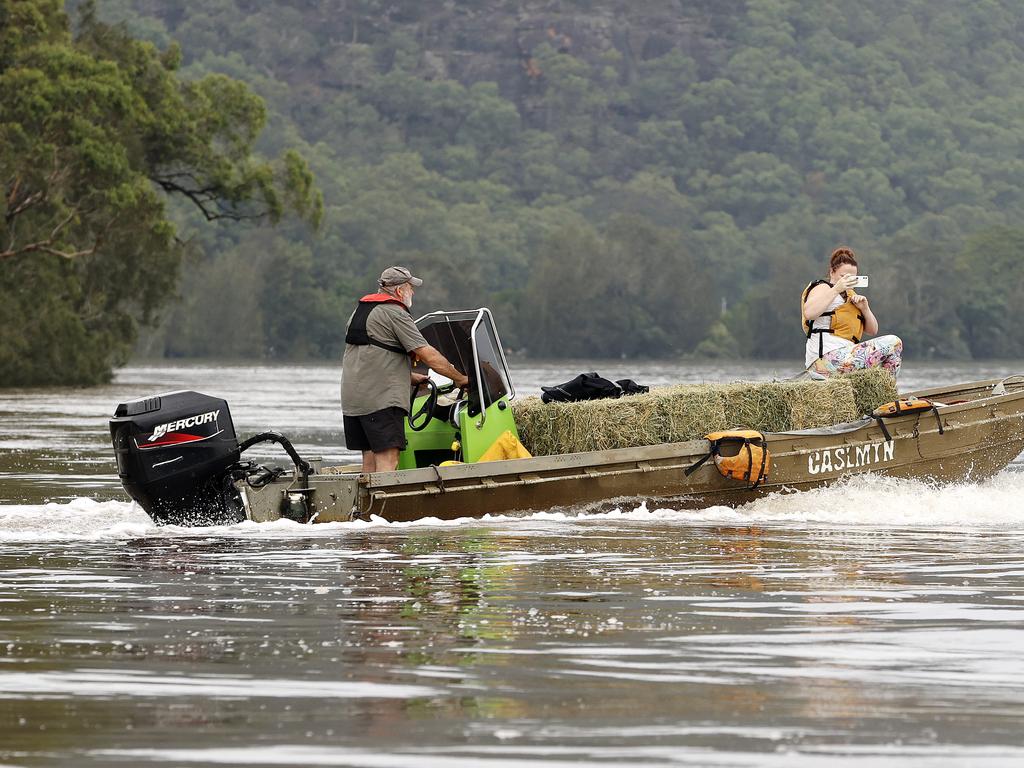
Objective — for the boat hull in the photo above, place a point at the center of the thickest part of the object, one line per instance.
(981, 433)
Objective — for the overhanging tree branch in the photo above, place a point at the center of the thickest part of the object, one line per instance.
(51, 244)
(209, 200)
(47, 247)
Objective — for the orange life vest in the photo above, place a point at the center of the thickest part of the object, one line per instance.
(751, 462)
(845, 321)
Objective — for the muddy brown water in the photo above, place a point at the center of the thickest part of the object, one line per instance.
(876, 623)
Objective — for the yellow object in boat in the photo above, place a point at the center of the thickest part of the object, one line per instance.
(507, 446)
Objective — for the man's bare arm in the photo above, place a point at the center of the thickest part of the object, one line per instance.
(438, 362)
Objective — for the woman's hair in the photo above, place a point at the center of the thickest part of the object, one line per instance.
(840, 256)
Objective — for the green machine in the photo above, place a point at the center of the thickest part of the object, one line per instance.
(447, 424)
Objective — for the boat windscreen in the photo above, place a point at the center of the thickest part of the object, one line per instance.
(452, 335)
(452, 339)
(492, 370)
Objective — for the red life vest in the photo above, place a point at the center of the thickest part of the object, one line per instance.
(383, 298)
(357, 334)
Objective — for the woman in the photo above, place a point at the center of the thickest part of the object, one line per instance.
(835, 319)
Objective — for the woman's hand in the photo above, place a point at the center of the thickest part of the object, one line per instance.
(844, 283)
(861, 302)
(870, 321)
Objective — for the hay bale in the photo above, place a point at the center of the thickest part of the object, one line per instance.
(781, 406)
(535, 424)
(871, 388)
(689, 411)
(763, 406)
(683, 412)
(820, 403)
(664, 415)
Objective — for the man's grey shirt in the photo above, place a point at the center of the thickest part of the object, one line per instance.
(373, 378)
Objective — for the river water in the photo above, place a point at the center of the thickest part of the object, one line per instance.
(876, 623)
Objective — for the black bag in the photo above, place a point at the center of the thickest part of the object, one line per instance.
(630, 387)
(590, 386)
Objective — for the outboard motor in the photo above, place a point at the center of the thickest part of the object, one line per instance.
(174, 452)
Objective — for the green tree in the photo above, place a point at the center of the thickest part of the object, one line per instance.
(93, 132)
(990, 279)
(915, 293)
(632, 290)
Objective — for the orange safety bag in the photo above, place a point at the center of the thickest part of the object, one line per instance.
(902, 407)
(739, 454)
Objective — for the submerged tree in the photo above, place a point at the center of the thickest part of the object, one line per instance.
(95, 133)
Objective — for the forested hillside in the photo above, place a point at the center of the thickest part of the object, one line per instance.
(617, 177)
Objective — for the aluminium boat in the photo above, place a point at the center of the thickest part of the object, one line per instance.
(178, 456)
(982, 433)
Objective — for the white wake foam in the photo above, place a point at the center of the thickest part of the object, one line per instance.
(866, 500)
(879, 501)
(81, 518)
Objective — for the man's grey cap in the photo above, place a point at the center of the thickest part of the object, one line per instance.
(393, 276)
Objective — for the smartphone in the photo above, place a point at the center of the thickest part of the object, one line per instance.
(860, 281)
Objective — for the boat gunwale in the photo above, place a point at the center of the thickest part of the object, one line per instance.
(1015, 389)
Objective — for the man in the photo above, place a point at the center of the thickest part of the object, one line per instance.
(377, 370)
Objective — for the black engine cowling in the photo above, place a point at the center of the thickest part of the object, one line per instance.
(174, 452)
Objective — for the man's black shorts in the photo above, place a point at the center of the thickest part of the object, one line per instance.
(377, 431)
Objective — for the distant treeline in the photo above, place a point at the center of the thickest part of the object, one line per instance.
(614, 177)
